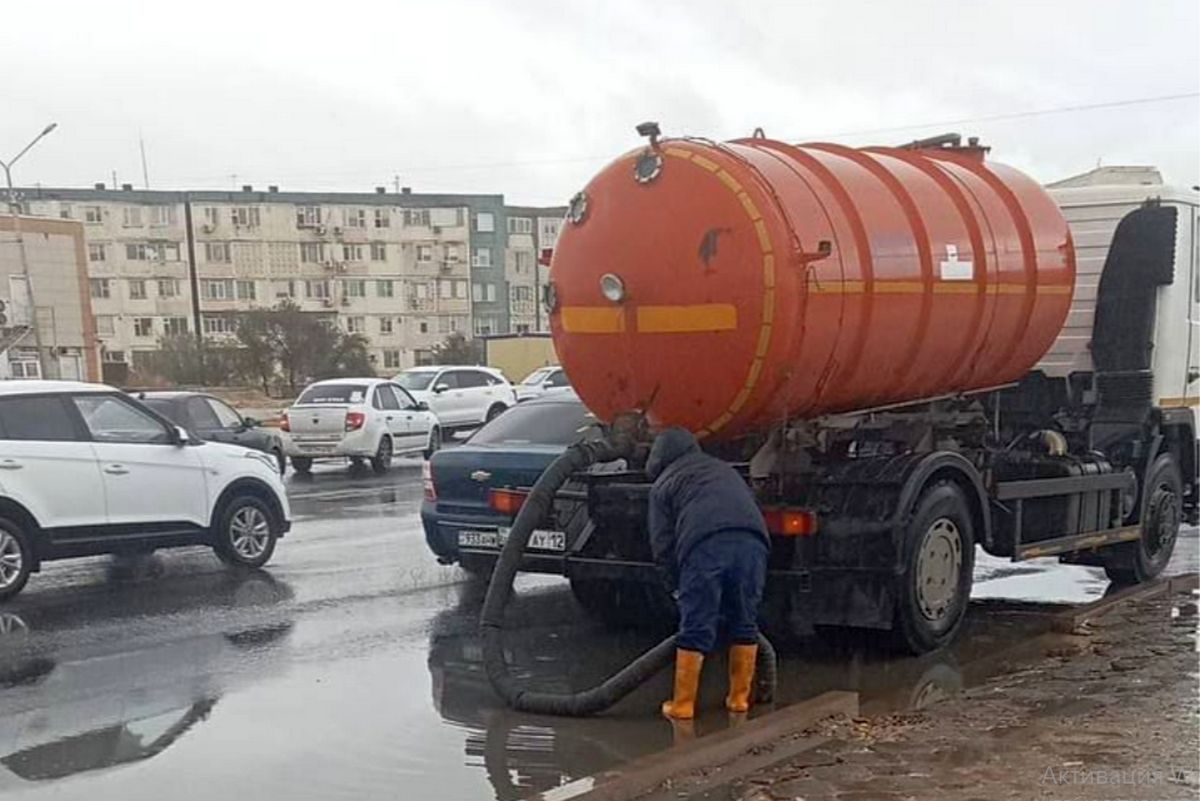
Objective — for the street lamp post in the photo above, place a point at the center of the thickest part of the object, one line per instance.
(15, 210)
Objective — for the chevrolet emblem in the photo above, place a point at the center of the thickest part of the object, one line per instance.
(480, 476)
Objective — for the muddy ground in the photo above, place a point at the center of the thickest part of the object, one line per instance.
(1109, 712)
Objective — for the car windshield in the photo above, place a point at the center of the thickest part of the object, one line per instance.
(333, 393)
(537, 376)
(415, 381)
(537, 424)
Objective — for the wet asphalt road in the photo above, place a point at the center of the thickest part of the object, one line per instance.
(351, 668)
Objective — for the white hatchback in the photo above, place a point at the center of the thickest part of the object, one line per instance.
(357, 418)
(461, 397)
(85, 469)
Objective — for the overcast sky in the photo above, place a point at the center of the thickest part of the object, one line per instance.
(531, 97)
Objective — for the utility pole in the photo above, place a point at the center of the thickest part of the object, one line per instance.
(145, 172)
(15, 210)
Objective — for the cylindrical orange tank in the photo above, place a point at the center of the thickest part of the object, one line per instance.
(755, 281)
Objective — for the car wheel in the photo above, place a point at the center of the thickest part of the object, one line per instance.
(16, 558)
(245, 532)
(494, 412)
(280, 460)
(435, 442)
(381, 462)
(302, 464)
(939, 554)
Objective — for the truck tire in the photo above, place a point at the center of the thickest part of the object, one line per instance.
(939, 558)
(1162, 514)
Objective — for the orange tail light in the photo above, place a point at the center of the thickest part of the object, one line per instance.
(506, 502)
(790, 522)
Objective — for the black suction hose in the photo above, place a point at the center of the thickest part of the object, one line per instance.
(587, 702)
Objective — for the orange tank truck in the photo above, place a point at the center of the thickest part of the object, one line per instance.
(727, 287)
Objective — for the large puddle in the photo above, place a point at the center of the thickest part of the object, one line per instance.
(385, 696)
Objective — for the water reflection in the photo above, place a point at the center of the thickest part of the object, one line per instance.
(72, 707)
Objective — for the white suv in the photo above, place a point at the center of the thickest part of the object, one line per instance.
(460, 396)
(359, 418)
(86, 469)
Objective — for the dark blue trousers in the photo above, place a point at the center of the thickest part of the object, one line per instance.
(720, 586)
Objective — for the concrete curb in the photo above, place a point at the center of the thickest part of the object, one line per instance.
(737, 744)
(1072, 620)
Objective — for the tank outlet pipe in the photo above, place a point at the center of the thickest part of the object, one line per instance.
(491, 620)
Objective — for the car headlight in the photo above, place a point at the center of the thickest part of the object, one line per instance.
(264, 459)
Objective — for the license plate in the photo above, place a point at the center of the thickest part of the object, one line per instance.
(307, 448)
(539, 540)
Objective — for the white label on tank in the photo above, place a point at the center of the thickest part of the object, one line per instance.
(955, 270)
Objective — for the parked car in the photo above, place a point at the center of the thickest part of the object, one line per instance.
(461, 397)
(358, 418)
(213, 419)
(542, 381)
(85, 469)
(473, 492)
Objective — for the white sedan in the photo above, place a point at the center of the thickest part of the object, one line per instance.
(357, 418)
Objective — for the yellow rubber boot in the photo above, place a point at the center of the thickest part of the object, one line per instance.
(687, 685)
(741, 674)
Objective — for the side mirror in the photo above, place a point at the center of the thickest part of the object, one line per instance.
(440, 388)
(422, 406)
(179, 436)
(547, 385)
(251, 422)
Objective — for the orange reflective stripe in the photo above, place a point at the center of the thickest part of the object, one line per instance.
(686, 319)
(593, 319)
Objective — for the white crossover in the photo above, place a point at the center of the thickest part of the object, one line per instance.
(461, 397)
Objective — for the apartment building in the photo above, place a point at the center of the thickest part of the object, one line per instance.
(532, 233)
(404, 269)
(55, 253)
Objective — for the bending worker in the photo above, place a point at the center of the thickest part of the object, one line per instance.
(711, 544)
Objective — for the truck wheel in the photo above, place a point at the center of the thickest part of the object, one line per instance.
(939, 554)
(1162, 514)
(244, 535)
(16, 558)
(302, 464)
(381, 462)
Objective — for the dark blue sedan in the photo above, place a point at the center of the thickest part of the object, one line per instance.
(473, 492)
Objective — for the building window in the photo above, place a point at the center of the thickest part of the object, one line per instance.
(104, 325)
(356, 325)
(460, 290)
(175, 326)
(391, 359)
(421, 291)
(423, 327)
(311, 252)
(112, 356)
(491, 292)
(522, 261)
(246, 216)
(481, 257)
(548, 232)
(522, 328)
(143, 326)
(446, 290)
(247, 290)
(485, 222)
(64, 211)
(162, 215)
(95, 252)
(378, 251)
(424, 253)
(137, 252)
(168, 287)
(164, 251)
(316, 290)
(355, 218)
(385, 325)
(352, 252)
(93, 214)
(356, 288)
(216, 252)
(131, 216)
(385, 289)
(520, 225)
(308, 216)
(477, 293)
(210, 216)
(216, 290)
(99, 287)
(219, 325)
(416, 218)
(450, 254)
(483, 326)
(383, 218)
(137, 289)
(284, 289)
